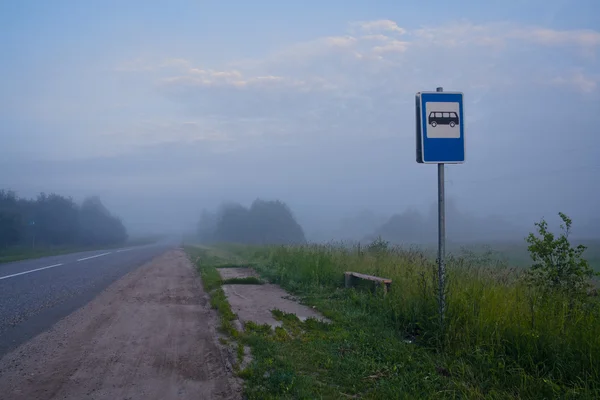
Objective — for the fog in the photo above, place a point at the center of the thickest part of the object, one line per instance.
(164, 111)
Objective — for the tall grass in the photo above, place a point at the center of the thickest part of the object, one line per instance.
(495, 324)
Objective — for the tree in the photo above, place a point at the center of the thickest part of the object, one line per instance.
(233, 224)
(56, 220)
(274, 223)
(207, 226)
(11, 225)
(98, 226)
(265, 222)
(558, 266)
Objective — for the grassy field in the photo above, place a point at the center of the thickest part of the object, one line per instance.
(26, 253)
(497, 342)
(513, 253)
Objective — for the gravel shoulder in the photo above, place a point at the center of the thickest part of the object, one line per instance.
(150, 335)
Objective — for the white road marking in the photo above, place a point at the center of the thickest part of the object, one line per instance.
(121, 250)
(30, 271)
(97, 255)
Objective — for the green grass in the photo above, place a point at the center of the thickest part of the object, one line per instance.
(249, 280)
(515, 253)
(496, 343)
(27, 253)
(356, 356)
(19, 254)
(211, 280)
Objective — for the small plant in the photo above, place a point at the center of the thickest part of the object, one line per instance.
(249, 280)
(558, 266)
(378, 246)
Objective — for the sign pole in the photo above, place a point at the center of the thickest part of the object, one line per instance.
(441, 239)
(440, 137)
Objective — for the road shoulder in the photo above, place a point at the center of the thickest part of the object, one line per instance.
(150, 335)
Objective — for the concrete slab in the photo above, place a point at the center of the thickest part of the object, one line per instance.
(228, 273)
(255, 302)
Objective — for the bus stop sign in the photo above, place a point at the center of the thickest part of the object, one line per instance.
(440, 127)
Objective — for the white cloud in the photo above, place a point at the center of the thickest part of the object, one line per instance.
(578, 81)
(382, 25)
(549, 37)
(349, 84)
(379, 37)
(391, 47)
(207, 78)
(339, 41)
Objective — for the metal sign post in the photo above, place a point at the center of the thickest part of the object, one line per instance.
(32, 223)
(440, 139)
(441, 239)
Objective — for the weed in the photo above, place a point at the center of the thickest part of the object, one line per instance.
(557, 265)
(491, 347)
(249, 280)
(240, 352)
(212, 282)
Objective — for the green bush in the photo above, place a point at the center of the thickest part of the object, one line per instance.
(558, 267)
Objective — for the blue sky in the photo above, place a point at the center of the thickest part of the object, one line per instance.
(194, 102)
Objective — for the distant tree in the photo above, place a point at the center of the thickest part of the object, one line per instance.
(408, 227)
(265, 222)
(207, 226)
(10, 219)
(233, 224)
(98, 226)
(274, 223)
(56, 220)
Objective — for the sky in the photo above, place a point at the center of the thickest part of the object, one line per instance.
(165, 108)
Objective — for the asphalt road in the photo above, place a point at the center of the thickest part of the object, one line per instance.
(35, 294)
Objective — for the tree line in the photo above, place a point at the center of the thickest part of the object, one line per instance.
(264, 222)
(54, 220)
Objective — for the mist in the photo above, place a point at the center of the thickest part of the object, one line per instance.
(162, 114)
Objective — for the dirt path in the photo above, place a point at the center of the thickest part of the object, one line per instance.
(150, 335)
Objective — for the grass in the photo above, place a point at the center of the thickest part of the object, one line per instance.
(211, 280)
(497, 342)
(26, 253)
(249, 280)
(20, 253)
(516, 254)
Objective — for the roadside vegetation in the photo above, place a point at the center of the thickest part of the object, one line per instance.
(509, 333)
(264, 222)
(20, 253)
(53, 224)
(207, 261)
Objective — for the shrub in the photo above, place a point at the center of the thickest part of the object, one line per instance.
(558, 266)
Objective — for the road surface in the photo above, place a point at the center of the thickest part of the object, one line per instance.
(35, 294)
(151, 335)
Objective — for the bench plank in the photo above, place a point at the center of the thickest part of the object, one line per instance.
(369, 277)
(349, 275)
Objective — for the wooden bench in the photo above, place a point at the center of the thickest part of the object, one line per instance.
(350, 276)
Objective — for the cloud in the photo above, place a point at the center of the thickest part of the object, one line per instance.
(578, 81)
(392, 46)
(339, 41)
(382, 25)
(200, 78)
(550, 37)
(349, 84)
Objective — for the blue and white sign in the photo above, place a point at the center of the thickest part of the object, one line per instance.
(440, 127)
